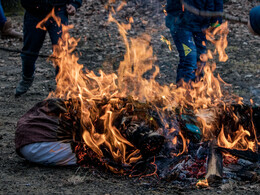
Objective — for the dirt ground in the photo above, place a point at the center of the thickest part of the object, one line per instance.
(102, 48)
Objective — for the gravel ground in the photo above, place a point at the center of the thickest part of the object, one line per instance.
(100, 43)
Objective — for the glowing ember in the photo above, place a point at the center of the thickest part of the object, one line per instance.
(203, 183)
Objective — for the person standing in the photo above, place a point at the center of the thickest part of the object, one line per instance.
(187, 30)
(6, 28)
(36, 11)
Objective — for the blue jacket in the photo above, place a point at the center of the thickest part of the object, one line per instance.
(187, 20)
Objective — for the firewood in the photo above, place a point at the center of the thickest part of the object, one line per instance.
(246, 154)
(214, 165)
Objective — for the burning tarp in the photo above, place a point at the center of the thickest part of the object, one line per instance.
(129, 124)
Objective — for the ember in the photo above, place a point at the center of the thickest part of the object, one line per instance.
(132, 125)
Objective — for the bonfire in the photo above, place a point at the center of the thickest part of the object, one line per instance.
(199, 130)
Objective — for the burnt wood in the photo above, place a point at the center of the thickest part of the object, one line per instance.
(214, 164)
(246, 154)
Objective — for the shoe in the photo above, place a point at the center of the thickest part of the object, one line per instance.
(23, 86)
(8, 31)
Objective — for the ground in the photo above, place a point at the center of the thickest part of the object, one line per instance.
(100, 43)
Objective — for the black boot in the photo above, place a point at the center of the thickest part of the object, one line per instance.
(23, 85)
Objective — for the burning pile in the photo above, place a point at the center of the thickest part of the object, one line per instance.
(134, 125)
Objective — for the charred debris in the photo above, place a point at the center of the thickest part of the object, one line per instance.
(147, 128)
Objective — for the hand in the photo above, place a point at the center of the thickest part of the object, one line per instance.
(71, 10)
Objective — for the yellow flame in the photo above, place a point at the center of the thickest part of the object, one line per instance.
(122, 4)
(239, 141)
(202, 183)
(85, 89)
(221, 43)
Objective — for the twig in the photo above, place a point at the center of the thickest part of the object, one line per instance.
(26, 52)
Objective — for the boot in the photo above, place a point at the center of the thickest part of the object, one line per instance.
(8, 31)
(23, 86)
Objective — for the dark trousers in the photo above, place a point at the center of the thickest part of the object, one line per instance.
(34, 38)
(190, 45)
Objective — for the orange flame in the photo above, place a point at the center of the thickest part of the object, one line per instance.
(239, 141)
(202, 183)
(221, 43)
(122, 4)
(86, 88)
(41, 24)
(73, 84)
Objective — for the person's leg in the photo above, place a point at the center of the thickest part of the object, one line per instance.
(33, 41)
(49, 153)
(186, 47)
(2, 16)
(55, 31)
(200, 42)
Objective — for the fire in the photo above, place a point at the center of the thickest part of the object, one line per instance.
(163, 39)
(221, 43)
(202, 183)
(85, 89)
(184, 145)
(229, 159)
(123, 3)
(41, 24)
(239, 141)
